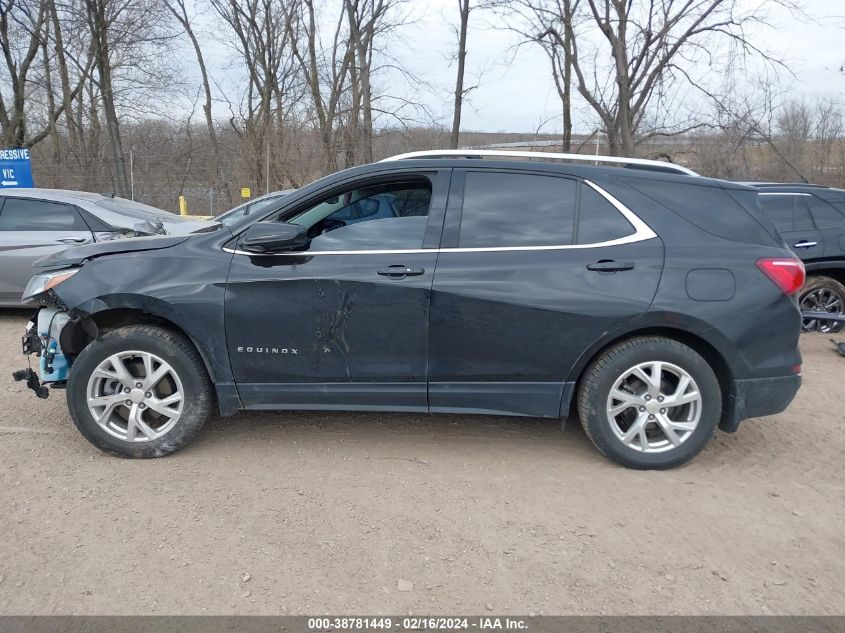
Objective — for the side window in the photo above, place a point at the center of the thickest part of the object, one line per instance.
(381, 216)
(824, 215)
(517, 210)
(22, 214)
(780, 210)
(598, 220)
(802, 222)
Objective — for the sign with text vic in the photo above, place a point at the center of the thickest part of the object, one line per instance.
(15, 169)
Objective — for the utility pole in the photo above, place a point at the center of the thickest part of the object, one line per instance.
(132, 173)
(267, 167)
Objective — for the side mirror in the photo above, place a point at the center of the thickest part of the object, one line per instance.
(274, 237)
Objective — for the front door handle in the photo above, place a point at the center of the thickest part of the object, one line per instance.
(610, 266)
(805, 244)
(399, 272)
(72, 240)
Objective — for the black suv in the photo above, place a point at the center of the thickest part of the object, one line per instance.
(811, 219)
(655, 306)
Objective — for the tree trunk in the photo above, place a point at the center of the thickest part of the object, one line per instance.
(97, 12)
(180, 12)
(459, 79)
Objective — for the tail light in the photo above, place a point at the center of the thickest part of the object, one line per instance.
(786, 272)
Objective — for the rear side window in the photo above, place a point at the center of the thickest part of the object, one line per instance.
(710, 208)
(803, 221)
(824, 215)
(780, 210)
(22, 214)
(598, 220)
(502, 209)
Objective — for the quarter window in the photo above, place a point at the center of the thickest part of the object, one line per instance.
(21, 214)
(598, 220)
(517, 210)
(824, 215)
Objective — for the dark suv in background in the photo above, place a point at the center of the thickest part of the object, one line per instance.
(655, 306)
(811, 219)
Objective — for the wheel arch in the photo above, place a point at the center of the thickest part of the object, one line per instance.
(83, 331)
(89, 325)
(836, 272)
(714, 357)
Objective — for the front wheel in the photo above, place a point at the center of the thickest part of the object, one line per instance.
(139, 391)
(650, 403)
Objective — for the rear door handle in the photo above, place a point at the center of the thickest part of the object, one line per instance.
(805, 244)
(398, 271)
(72, 240)
(610, 266)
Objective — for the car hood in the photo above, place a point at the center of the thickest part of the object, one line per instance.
(184, 228)
(79, 254)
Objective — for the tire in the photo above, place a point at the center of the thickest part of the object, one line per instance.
(826, 295)
(609, 432)
(167, 422)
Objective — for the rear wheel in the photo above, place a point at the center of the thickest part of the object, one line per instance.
(822, 294)
(139, 391)
(650, 402)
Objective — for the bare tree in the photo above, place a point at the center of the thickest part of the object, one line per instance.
(370, 22)
(552, 25)
(179, 11)
(21, 37)
(644, 49)
(326, 71)
(260, 33)
(128, 38)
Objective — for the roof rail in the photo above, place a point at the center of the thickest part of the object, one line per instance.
(764, 185)
(637, 163)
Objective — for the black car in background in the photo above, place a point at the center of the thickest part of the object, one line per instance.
(654, 304)
(811, 219)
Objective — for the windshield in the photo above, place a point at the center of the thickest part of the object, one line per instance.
(138, 210)
(250, 209)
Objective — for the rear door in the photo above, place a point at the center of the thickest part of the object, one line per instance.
(790, 214)
(830, 222)
(534, 268)
(30, 229)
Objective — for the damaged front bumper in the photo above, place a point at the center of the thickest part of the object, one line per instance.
(42, 339)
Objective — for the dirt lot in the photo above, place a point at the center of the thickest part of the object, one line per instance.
(341, 513)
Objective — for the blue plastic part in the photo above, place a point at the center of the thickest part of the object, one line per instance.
(59, 363)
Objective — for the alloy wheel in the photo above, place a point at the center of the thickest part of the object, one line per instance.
(822, 300)
(135, 396)
(654, 407)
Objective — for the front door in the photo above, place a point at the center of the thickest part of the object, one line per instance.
(533, 269)
(343, 324)
(29, 230)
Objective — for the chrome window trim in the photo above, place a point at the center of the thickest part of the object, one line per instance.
(642, 232)
(782, 193)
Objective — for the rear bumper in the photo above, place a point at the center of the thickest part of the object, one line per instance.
(758, 397)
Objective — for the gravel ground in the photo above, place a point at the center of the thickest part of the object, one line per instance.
(311, 513)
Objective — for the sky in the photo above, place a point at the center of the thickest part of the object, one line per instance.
(515, 91)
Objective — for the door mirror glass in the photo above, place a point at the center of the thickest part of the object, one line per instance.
(274, 237)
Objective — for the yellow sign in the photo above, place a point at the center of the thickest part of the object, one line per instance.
(245, 192)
